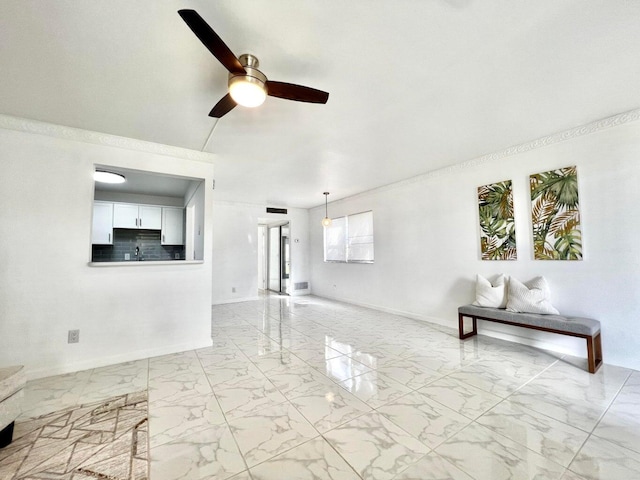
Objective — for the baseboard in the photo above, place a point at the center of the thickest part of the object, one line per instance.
(300, 293)
(236, 300)
(35, 373)
(560, 344)
(552, 341)
(393, 311)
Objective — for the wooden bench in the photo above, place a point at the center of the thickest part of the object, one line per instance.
(586, 328)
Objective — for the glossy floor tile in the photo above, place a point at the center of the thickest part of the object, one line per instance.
(376, 447)
(303, 388)
(486, 455)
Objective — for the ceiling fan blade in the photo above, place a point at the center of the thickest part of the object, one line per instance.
(289, 91)
(224, 106)
(212, 41)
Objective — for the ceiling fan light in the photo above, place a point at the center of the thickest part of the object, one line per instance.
(102, 176)
(247, 91)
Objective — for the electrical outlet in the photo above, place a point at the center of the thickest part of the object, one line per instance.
(73, 336)
(233, 289)
(127, 256)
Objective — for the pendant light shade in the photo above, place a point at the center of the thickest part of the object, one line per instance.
(326, 221)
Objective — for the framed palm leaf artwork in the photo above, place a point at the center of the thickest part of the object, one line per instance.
(555, 215)
(497, 226)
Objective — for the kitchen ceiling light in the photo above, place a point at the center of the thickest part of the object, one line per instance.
(102, 176)
(326, 221)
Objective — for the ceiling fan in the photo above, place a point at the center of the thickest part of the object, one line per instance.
(248, 86)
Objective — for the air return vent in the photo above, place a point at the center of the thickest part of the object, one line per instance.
(301, 286)
(276, 210)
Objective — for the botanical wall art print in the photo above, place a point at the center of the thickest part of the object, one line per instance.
(497, 226)
(555, 215)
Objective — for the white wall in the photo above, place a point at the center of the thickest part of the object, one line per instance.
(262, 257)
(427, 249)
(47, 286)
(235, 249)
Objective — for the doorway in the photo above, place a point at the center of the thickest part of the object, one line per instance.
(277, 248)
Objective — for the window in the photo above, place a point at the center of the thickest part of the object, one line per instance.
(349, 239)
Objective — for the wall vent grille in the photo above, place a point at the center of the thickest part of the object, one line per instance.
(276, 210)
(301, 286)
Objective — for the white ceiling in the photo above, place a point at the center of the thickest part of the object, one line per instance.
(414, 85)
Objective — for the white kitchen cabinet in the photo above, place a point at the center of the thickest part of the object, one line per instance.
(102, 227)
(127, 215)
(150, 217)
(172, 226)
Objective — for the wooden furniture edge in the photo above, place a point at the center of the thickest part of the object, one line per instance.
(594, 342)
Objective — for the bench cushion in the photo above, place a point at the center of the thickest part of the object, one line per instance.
(577, 325)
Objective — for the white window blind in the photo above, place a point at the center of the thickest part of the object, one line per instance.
(349, 239)
(360, 237)
(335, 240)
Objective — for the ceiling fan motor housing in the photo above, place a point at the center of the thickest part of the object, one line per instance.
(253, 75)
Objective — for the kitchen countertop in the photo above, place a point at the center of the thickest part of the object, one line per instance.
(133, 263)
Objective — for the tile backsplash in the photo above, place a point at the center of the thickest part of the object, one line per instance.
(126, 240)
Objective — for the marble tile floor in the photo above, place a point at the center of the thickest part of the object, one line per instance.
(306, 388)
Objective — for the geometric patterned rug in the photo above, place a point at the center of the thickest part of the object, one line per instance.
(106, 440)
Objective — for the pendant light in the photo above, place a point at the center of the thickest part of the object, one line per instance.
(326, 221)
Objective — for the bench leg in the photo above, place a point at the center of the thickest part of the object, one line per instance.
(594, 353)
(474, 330)
(6, 435)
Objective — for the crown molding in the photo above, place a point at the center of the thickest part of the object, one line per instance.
(586, 129)
(36, 127)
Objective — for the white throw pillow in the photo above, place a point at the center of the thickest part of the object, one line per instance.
(530, 297)
(491, 295)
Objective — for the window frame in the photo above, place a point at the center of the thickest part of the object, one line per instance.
(345, 242)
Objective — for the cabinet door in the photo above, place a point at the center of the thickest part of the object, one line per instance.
(125, 215)
(172, 226)
(150, 218)
(102, 228)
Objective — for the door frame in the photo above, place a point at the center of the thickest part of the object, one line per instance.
(267, 250)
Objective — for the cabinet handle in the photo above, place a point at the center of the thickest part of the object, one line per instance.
(140, 222)
(136, 222)
(162, 238)
(109, 238)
